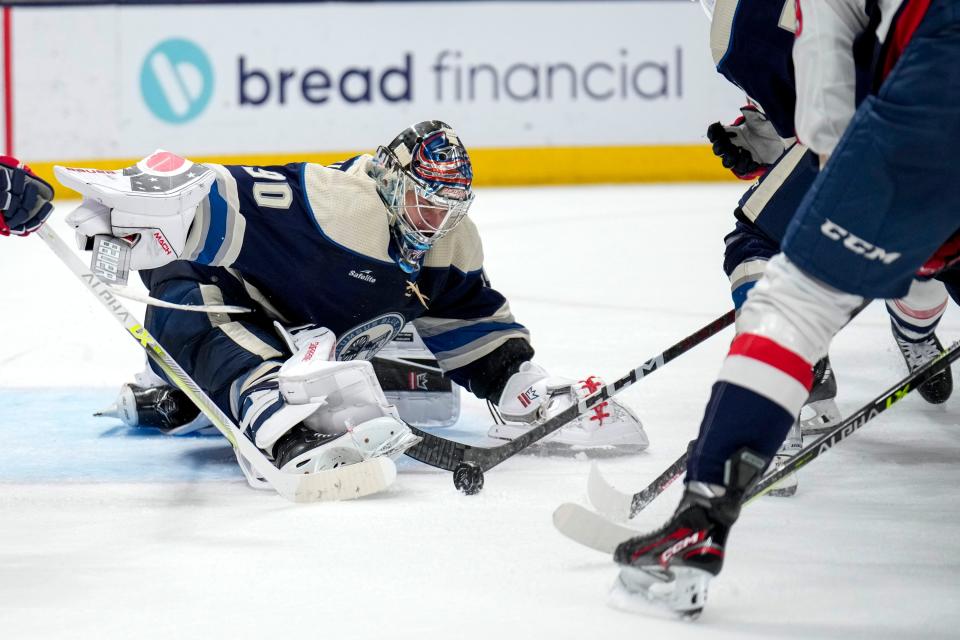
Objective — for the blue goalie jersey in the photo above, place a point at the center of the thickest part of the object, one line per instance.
(311, 244)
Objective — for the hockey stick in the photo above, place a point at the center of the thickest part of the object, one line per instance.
(596, 531)
(451, 455)
(620, 506)
(853, 423)
(350, 481)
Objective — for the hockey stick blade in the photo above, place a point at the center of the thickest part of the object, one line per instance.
(343, 483)
(619, 506)
(591, 529)
(448, 454)
(605, 498)
(599, 532)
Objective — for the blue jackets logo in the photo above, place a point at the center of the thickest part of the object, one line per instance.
(176, 80)
(363, 342)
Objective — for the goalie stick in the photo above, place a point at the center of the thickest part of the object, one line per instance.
(450, 454)
(597, 531)
(343, 483)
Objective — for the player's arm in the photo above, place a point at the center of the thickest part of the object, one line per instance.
(25, 198)
(167, 208)
(474, 336)
(750, 145)
(480, 345)
(825, 69)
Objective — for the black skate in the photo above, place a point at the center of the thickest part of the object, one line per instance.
(672, 567)
(820, 413)
(303, 450)
(937, 389)
(163, 407)
(298, 447)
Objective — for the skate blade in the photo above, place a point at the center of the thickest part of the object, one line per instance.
(679, 593)
(822, 416)
(786, 488)
(785, 492)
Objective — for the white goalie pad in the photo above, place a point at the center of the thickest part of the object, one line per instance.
(413, 382)
(346, 393)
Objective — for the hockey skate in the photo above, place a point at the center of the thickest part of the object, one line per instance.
(793, 443)
(671, 568)
(937, 389)
(820, 413)
(303, 450)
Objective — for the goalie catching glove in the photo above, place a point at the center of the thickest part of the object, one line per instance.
(150, 206)
(532, 395)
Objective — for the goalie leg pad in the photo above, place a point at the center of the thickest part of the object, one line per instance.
(312, 395)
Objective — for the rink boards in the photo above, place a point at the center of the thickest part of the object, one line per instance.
(540, 92)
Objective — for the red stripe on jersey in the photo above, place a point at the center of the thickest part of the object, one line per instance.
(908, 19)
(769, 352)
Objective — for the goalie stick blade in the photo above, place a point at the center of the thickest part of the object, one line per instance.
(590, 528)
(344, 483)
(605, 498)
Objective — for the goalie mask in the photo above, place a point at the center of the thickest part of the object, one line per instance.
(425, 185)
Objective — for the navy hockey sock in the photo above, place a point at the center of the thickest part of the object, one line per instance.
(735, 418)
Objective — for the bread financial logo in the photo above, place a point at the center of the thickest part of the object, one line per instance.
(176, 80)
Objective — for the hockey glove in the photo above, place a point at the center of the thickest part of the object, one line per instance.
(532, 394)
(946, 257)
(749, 145)
(24, 198)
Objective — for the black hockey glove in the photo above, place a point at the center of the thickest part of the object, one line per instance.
(749, 145)
(24, 198)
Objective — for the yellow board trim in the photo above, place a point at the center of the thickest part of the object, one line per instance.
(502, 167)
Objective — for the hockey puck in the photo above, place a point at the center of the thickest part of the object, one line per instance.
(468, 478)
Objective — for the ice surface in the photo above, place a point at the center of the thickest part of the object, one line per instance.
(106, 532)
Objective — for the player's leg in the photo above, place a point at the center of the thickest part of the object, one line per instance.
(881, 208)
(913, 320)
(767, 208)
(240, 362)
(747, 252)
(763, 215)
(784, 327)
